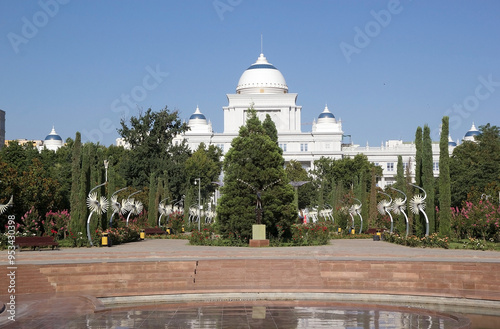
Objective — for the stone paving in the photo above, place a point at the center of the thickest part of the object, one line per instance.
(53, 311)
(166, 249)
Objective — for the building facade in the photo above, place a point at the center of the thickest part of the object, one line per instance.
(263, 88)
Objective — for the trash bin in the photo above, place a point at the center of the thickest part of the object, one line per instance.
(339, 230)
(142, 235)
(353, 231)
(104, 239)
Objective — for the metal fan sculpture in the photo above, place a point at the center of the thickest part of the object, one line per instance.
(128, 205)
(417, 204)
(97, 205)
(194, 217)
(326, 213)
(4, 207)
(115, 205)
(384, 207)
(134, 207)
(354, 210)
(399, 207)
(162, 209)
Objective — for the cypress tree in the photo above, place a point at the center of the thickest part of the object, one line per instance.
(419, 226)
(256, 159)
(152, 206)
(418, 157)
(400, 174)
(84, 188)
(270, 128)
(372, 219)
(75, 182)
(444, 180)
(428, 177)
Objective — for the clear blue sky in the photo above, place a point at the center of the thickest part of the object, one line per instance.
(74, 64)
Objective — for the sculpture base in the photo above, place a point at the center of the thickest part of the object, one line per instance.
(258, 232)
(259, 243)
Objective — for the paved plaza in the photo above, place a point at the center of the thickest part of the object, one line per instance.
(57, 310)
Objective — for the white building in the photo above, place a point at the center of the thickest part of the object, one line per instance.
(263, 87)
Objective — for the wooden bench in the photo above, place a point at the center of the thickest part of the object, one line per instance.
(36, 242)
(154, 230)
(374, 230)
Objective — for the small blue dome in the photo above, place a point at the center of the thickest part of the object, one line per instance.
(197, 116)
(326, 115)
(452, 143)
(53, 138)
(472, 133)
(262, 66)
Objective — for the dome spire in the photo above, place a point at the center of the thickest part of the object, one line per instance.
(261, 45)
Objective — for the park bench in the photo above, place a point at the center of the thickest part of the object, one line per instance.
(374, 231)
(154, 230)
(36, 242)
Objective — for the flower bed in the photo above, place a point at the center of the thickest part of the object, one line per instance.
(431, 241)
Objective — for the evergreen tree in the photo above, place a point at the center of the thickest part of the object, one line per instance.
(418, 156)
(428, 177)
(419, 226)
(255, 159)
(152, 206)
(475, 168)
(372, 216)
(270, 128)
(296, 173)
(81, 225)
(400, 174)
(76, 214)
(444, 180)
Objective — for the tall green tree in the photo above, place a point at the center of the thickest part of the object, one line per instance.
(150, 136)
(76, 159)
(205, 163)
(428, 177)
(373, 213)
(256, 159)
(152, 202)
(400, 174)
(270, 128)
(306, 192)
(475, 167)
(418, 156)
(444, 180)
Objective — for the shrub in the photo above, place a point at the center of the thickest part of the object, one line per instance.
(313, 234)
(431, 241)
(56, 224)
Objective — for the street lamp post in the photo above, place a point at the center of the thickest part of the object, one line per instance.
(199, 201)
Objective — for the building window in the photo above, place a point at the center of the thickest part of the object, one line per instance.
(221, 146)
(405, 165)
(390, 166)
(283, 147)
(435, 166)
(327, 146)
(303, 147)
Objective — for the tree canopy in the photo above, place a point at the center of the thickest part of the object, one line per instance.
(255, 159)
(475, 167)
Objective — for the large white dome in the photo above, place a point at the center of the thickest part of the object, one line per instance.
(262, 77)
